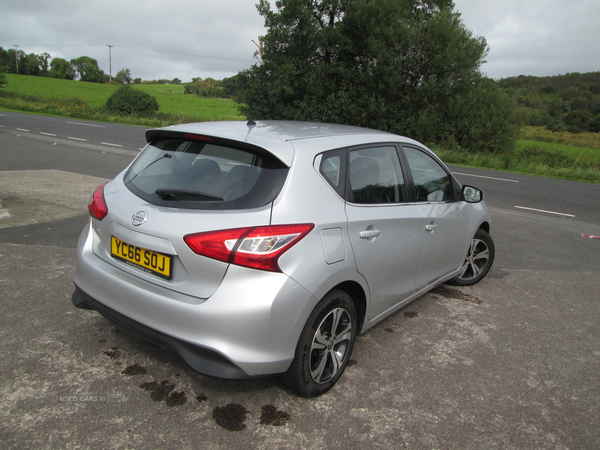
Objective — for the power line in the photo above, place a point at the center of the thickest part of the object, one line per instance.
(184, 54)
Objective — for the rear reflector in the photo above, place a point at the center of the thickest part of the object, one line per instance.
(255, 247)
(97, 205)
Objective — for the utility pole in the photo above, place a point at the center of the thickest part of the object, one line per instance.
(16, 57)
(110, 62)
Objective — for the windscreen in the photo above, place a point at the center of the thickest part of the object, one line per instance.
(194, 174)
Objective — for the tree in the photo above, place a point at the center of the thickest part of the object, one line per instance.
(384, 64)
(43, 63)
(123, 76)
(87, 69)
(232, 88)
(3, 71)
(61, 68)
(128, 100)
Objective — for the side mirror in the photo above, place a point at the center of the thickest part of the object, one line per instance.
(471, 194)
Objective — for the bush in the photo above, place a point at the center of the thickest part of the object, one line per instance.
(532, 117)
(578, 119)
(594, 124)
(2, 76)
(126, 100)
(557, 126)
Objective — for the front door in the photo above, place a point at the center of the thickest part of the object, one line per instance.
(446, 221)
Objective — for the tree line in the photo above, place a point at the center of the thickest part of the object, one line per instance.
(83, 68)
(568, 102)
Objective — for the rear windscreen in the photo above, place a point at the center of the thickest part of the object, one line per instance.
(204, 175)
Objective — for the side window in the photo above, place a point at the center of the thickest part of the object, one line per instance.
(432, 183)
(333, 168)
(375, 176)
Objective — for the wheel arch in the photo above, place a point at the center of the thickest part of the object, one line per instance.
(359, 298)
(485, 226)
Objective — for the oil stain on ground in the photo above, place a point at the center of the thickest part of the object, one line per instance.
(163, 392)
(134, 369)
(271, 416)
(448, 292)
(230, 417)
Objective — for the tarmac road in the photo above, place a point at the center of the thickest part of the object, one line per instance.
(510, 363)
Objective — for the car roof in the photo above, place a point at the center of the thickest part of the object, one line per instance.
(281, 137)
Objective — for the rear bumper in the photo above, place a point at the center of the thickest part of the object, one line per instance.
(249, 327)
(200, 359)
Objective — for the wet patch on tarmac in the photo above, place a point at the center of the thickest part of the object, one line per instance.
(448, 292)
(230, 417)
(271, 416)
(176, 399)
(164, 392)
(134, 369)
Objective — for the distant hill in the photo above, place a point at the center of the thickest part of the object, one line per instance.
(568, 102)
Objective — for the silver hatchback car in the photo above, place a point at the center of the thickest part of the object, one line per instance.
(265, 248)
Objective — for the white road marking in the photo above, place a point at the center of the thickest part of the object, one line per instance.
(21, 129)
(481, 176)
(87, 124)
(113, 145)
(76, 139)
(47, 134)
(544, 211)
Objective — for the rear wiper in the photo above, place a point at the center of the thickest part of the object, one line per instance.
(166, 155)
(182, 194)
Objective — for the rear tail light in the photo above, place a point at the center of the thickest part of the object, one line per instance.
(97, 205)
(255, 247)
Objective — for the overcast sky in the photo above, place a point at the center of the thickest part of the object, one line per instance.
(190, 38)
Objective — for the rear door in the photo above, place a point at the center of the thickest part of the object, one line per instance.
(385, 231)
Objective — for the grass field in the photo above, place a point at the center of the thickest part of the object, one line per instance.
(541, 134)
(170, 97)
(579, 154)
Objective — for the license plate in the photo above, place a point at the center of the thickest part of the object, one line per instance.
(146, 260)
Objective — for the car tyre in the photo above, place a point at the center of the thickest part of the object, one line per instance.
(478, 261)
(324, 347)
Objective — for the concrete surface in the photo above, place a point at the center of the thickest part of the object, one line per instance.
(511, 363)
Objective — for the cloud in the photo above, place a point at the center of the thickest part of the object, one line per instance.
(536, 37)
(187, 38)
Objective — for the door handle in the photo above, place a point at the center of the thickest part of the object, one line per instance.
(369, 234)
(431, 227)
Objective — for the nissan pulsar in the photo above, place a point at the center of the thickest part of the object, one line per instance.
(264, 248)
